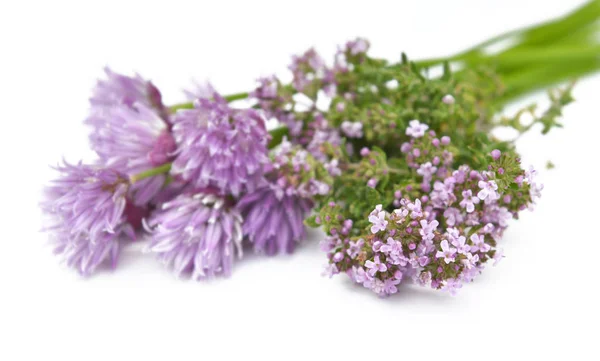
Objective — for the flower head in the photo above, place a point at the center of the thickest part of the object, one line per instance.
(122, 90)
(131, 140)
(273, 219)
(220, 147)
(197, 233)
(87, 211)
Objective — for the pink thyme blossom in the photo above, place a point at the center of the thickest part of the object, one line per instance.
(393, 251)
(427, 229)
(330, 270)
(479, 244)
(460, 244)
(355, 247)
(389, 286)
(469, 201)
(416, 129)
(415, 209)
(498, 255)
(377, 217)
(452, 286)
(447, 252)
(352, 129)
(471, 260)
(488, 191)
(453, 216)
(427, 170)
(375, 266)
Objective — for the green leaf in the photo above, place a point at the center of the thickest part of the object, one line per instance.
(311, 222)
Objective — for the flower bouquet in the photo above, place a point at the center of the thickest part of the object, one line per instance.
(398, 165)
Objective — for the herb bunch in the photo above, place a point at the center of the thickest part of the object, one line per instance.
(398, 167)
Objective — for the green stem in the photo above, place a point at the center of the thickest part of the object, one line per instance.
(236, 96)
(190, 105)
(397, 171)
(165, 168)
(543, 54)
(536, 35)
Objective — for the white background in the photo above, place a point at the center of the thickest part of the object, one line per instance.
(540, 301)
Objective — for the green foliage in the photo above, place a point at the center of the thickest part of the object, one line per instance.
(388, 97)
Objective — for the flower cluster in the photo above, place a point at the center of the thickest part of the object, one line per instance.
(88, 211)
(220, 147)
(444, 227)
(185, 176)
(197, 233)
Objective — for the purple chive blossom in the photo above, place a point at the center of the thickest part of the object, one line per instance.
(196, 233)
(375, 266)
(469, 201)
(352, 129)
(273, 219)
(479, 244)
(118, 90)
(377, 218)
(220, 146)
(447, 252)
(131, 140)
(416, 129)
(87, 211)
